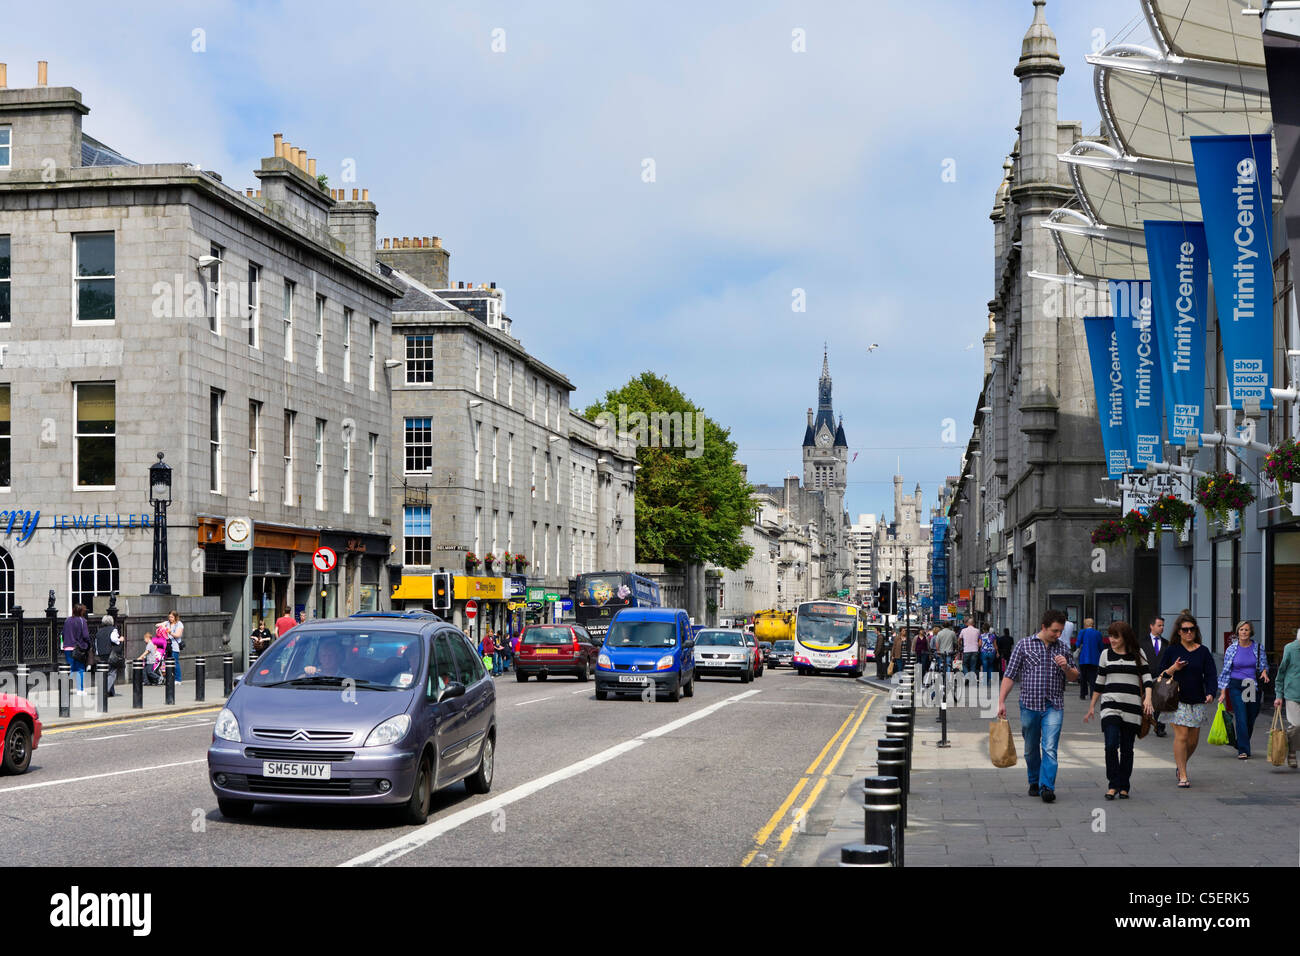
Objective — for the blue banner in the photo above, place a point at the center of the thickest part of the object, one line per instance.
(1180, 303)
(1108, 383)
(1139, 357)
(1234, 175)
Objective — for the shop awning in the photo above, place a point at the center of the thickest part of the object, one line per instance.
(414, 589)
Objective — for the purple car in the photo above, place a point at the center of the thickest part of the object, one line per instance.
(366, 711)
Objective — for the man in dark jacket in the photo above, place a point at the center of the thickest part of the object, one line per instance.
(76, 634)
(1153, 645)
(107, 640)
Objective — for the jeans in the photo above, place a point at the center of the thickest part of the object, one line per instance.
(923, 658)
(1244, 713)
(77, 668)
(988, 661)
(1087, 678)
(970, 662)
(176, 664)
(1042, 732)
(1119, 752)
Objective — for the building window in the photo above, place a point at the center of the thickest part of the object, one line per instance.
(5, 315)
(6, 450)
(93, 571)
(510, 532)
(254, 451)
(370, 475)
(532, 548)
(96, 435)
(510, 459)
(496, 371)
(419, 446)
(215, 397)
(532, 481)
(532, 413)
(573, 486)
(496, 435)
(6, 583)
(214, 290)
(320, 333)
(546, 478)
(496, 521)
(6, 144)
(478, 532)
(96, 279)
(478, 368)
(289, 418)
(347, 471)
(417, 536)
(478, 453)
(370, 371)
(320, 464)
(419, 360)
(347, 346)
(254, 306)
(510, 387)
(288, 320)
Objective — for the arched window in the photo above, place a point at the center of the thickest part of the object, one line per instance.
(6, 583)
(93, 570)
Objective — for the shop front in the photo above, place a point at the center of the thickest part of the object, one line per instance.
(353, 585)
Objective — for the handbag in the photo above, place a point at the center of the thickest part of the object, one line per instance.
(1278, 746)
(1147, 722)
(81, 654)
(1164, 699)
(1230, 726)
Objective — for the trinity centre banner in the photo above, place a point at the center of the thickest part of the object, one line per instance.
(1108, 383)
(1234, 175)
(1180, 297)
(1139, 358)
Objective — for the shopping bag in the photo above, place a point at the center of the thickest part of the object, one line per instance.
(1002, 749)
(1218, 730)
(1230, 725)
(1277, 740)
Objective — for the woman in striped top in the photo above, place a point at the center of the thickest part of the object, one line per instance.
(1123, 687)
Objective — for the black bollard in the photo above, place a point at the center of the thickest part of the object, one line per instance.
(880, 796)
(891, 759)
(200, 679)
(169, 681)
(101, 687)
(228, 674)
(896, 725)
(859, 854)
(137, 684)
(65, 690)
(943, 717)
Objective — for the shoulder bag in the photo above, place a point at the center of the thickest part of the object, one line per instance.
(1164, 696)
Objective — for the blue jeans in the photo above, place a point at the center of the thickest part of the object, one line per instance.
(1042, 731)
(988, 661)
(176, 663)
(1244, 713)
(77, 668)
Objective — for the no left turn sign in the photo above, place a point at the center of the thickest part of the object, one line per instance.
(324, 560)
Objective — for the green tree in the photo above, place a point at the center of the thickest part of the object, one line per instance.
(692, 500)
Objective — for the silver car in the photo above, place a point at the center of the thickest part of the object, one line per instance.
(723, 652)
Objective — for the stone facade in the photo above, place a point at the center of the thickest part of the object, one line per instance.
(904, 543)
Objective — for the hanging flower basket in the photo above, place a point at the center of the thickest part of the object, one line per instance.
(1108, 532)
(489, 560)
(1282, 465)
(521, 563)
(1170, 510)
(1221, 493)
(1137, 526)
(471, 562)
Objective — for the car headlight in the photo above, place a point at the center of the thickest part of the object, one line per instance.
(227, 727)
(603, 661)
(389, 732)
(665, 663)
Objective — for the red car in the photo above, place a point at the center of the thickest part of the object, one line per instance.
(20, 732)
(757, 652)
(546, 649)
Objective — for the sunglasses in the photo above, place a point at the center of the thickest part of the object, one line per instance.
(1187, 627)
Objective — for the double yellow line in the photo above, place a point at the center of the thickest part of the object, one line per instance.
(783, 839)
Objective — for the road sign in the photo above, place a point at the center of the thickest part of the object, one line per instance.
(324, 560)
(471, 610)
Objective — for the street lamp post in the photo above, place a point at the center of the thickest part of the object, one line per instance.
(160, 496)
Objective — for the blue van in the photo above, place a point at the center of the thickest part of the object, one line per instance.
(644, 646)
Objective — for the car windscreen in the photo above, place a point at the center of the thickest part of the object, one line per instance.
(548, 635)
(718, 639)
(826, 630)
(641, 634)
(330, 658)
(783, 646)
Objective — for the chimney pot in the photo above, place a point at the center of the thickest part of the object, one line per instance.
(354, 195)
(311, 167)
(257, 194)
(249, 192)
(365, 195)
(385, 243)
(437, 243)
(4, 76)
(278, 139)
(42, 72)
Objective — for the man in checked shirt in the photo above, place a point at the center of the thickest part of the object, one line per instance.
(1042, 665)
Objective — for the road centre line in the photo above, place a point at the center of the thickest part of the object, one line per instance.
(533, 701)
(394, 849)
(100, 776)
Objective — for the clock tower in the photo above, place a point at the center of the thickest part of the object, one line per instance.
(825, 449)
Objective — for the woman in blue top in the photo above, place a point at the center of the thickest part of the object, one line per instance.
(1245, 666)
(988, 651)
(1192, 666)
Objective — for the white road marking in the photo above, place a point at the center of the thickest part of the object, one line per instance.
(585, 690)
(109, 737)
(201, 723)
(100, 776)
(389, 852)
(533, 701)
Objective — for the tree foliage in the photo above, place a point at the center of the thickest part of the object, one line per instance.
(690, 508)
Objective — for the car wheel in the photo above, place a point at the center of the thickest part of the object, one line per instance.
(602, 695)
(744, 677)
(416, 811)
(542, 676)
(585, 674)
(760, 671)
(234, 809)
(689, 689)
(481, 781)
(521, 677)
(18, 747)
(675, 694)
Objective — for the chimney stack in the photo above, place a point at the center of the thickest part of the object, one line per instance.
(42, 72)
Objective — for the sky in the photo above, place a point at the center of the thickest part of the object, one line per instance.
(654, 186)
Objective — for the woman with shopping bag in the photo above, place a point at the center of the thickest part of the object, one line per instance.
(1245, 670)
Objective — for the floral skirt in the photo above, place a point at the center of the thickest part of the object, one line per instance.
(1190, 715)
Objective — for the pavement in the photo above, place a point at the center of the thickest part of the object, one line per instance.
(85, 707)
(962, 811)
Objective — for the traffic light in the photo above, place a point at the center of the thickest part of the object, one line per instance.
(442, 591)
(885, 597)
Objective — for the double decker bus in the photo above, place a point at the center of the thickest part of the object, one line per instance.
(601, 594)
(826, 638)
